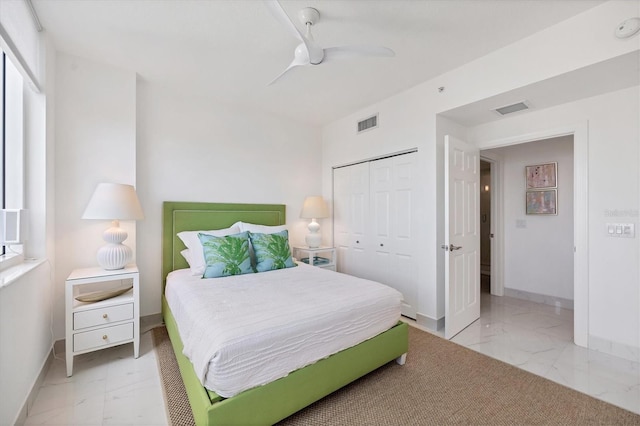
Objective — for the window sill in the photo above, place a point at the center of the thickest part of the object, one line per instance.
(13, 268)
(10, 259)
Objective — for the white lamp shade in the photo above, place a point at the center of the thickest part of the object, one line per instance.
(314, 207)
(114, 201)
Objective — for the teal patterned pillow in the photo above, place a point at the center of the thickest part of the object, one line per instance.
(226, 256)
(272, 251)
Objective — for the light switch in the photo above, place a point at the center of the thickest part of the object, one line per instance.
(621, 230)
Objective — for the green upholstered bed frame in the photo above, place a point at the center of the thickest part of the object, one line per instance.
(275, 401)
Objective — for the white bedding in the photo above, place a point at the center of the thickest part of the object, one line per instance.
(245, 331)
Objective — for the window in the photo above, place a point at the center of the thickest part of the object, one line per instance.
(2, 137)
(11, 137)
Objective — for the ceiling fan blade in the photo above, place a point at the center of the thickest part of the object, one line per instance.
(346, 51)
(307, 49)
(278, 12)
(291, 65)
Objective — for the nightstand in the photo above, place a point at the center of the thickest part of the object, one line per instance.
(322, 257)
(92, 326)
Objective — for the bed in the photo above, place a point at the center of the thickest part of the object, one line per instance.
(276, 400)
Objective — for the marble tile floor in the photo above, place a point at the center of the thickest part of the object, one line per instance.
(110, 387)
(539, 338)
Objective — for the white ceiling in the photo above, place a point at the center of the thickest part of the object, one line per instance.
(607, 76)
(229, 50)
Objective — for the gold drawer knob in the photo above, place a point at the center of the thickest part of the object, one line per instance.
(105, 316)
(104, 337)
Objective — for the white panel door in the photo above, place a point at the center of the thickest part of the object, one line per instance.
(351, 210)
(392, 219)
(341, 212)
(462, 235)
(359, 206)
(381, 187)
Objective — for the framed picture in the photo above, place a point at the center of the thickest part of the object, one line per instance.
(541, 176)
(542, 202)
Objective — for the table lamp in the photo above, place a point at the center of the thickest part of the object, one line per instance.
(115, 202)
(314, 208)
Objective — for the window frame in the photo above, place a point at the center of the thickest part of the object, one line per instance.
(3, 151)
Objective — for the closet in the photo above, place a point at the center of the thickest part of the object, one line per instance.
(374, 211)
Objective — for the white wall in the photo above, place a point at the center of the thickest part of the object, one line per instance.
(403, 125)
(95, 134)
(613, 194)
(193, 149)
(25, 304)
(409, 119)
(25, 314)
(575, 43)
(539, 257)
(99, 115)
(111, 127)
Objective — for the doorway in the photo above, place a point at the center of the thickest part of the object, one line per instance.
(485, 226)
(580, 249)
(531, 244)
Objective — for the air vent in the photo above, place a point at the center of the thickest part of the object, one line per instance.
(510, 109)
(368, 123)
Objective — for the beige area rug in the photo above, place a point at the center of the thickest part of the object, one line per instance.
(175, 396)
(442, 383)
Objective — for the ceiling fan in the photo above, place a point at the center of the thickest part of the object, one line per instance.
(308, 52)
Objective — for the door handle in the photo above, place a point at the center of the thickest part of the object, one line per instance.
(450, 247)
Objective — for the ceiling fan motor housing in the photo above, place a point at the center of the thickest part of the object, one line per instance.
(309, 15)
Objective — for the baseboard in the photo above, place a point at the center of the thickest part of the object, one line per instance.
(430, 323)
(628, 352)
(33, 394)
(557, 302)
(59, 346)
(148, 322)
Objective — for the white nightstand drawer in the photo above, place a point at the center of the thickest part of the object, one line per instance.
(102, 337)
(102, 316)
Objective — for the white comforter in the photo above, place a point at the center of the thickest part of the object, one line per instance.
(245, 331)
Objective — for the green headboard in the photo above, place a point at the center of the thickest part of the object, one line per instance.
(187, 216)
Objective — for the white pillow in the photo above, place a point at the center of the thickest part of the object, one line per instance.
(190, 239)
(186, 254)
(259, 229)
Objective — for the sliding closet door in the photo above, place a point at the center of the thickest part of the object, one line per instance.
(350, 213)
(374, 224)
(392, 227)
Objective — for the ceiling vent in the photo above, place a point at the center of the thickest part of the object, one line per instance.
(368, 123)
(510, 109)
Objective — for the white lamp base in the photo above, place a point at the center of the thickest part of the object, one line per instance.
(114, 255)
(313, 238)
